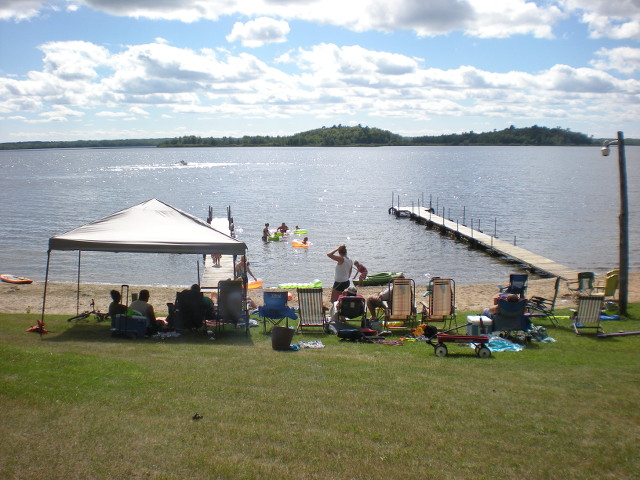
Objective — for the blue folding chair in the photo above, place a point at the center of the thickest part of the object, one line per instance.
(517, 285)
(275, 309)
(511, 316)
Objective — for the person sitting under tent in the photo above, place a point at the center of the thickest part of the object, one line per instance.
(192, 308)
(145, 309)
(115, 307)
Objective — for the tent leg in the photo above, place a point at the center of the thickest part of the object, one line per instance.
(40, 326)
(78, 286)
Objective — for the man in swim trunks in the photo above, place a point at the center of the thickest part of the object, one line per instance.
(342, 273)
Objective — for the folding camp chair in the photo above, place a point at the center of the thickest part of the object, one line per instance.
(511, 316)
(588, 313)
(401, 314)
(310, 312)
(352, 307)
(275, 309)
(232, 307)
(188, 311)
(608, 288)
(540, 307)
(517, 285)
(442, 301)
(583, 285)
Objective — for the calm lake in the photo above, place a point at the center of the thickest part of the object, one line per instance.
(559, 202)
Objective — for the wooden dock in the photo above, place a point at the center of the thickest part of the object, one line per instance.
(212, 275)
(529, 260)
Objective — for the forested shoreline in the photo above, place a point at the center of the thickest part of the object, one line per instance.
(344, 136)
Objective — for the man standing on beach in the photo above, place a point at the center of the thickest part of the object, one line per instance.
(342, 273)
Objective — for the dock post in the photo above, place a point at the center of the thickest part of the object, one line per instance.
(495, 227)
(464, 214)
(514, 240)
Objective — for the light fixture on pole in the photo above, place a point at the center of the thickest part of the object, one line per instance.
(623, 220)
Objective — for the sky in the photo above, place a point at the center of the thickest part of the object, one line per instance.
(118, 69)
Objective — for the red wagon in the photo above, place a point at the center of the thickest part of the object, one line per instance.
(440, 339)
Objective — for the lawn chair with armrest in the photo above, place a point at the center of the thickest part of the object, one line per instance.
(540, 307)
(400, 313)
(275, 309)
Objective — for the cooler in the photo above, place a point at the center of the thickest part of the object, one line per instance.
(136, 325)
(474, 327)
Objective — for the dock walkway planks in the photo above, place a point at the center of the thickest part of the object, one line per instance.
(212, 275)
(531, 260)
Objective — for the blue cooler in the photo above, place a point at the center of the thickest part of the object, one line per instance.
(134, 325)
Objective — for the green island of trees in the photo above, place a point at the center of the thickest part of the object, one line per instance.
(344, 136)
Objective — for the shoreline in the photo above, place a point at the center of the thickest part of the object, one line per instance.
(61, 297)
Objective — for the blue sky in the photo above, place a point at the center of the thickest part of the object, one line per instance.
(110, 69)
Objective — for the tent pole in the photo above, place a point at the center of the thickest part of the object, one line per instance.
(198, 264)
(78, 286)
(40, 326)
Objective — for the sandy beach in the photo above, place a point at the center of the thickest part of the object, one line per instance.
(61, 297)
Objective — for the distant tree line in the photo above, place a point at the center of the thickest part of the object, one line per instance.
(148, 142)
(336, 136)
(343, 136)
(510, 136)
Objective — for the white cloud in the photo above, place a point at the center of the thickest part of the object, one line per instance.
(111, 114)
(324, 81)
(618, 19)
(480, 18)
(19, 10)
(259, 32)
(59, 113)
(623, 59)
(139, 111)
(73, 60)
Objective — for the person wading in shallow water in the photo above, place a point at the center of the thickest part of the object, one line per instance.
(342, 272)
(265, 232)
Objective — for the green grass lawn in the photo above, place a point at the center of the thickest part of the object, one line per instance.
(78, 403)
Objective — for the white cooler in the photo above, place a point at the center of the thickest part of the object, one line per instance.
(475, 329)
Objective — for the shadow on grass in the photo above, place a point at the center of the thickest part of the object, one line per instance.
(102, 333)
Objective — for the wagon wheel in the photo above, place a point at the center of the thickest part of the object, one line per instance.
(441, 350)
(483, 352)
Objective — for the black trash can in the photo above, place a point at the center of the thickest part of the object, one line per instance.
(281, 337)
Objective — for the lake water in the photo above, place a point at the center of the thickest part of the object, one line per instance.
(559, 202)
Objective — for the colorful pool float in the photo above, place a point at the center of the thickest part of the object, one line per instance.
(315, 283)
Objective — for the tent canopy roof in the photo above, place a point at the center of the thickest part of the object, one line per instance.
(149, 227)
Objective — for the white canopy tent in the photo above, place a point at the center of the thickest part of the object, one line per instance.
(149, 227)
